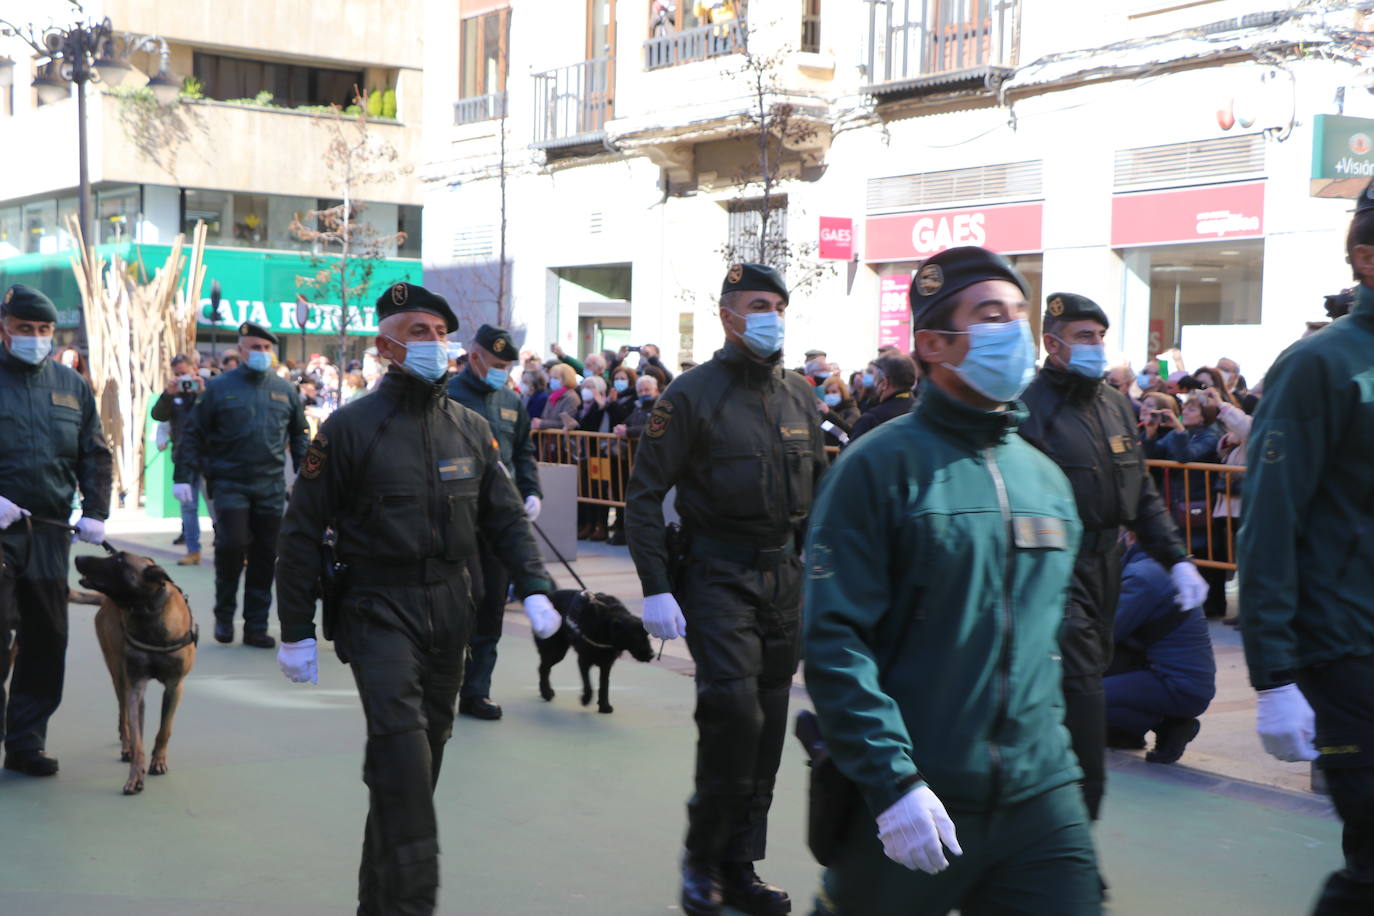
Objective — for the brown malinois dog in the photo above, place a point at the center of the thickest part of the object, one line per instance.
(146, 633)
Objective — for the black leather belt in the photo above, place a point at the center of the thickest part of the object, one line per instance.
(429, 571)
(744, 554)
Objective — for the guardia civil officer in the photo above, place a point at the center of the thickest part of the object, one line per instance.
(1306, 561)
(482, 387)
(930, 659)
(740, 439)
(237, 439)
(51, 443)
(410, 480)
(1088, 428)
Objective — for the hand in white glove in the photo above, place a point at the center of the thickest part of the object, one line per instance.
(544, 620)
(532, 507)
(90, 530)
(1192, 588)
(913, 828)
(1286, 724)
(663, 618)
(10, 513)
(299, 661)
(182, 492)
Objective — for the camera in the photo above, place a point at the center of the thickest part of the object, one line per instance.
(632, 349)
(188, 383)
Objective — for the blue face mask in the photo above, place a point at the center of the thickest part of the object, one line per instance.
(1001, 359)
(1143, 381)
(620, 385)
(258, 360)
(832, 399)
(647, 399)
(555, 384)
(32, 350)
(1088, 360)
(497, 378)
(762, 332)
(426, 359)
(869, 381)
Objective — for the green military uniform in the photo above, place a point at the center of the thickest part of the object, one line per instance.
(238, 436)
(510, 427)
(740, 439)
(409, 480)
(51, 444)
(1089, 430)
(1306, 564)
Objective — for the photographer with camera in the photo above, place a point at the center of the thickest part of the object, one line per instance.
(173, 407)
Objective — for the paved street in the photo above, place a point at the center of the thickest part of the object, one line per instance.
(554, 810)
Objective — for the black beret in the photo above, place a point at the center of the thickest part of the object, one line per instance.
(496, 341)
(1073, 307)
(1366, 200)
(753, 277)
(953, 270)
(28, 303)
(408, 297)
(249, 329)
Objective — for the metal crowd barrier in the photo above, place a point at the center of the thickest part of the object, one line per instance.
(1209, 537)
(603, 460)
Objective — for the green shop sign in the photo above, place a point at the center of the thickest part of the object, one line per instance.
(1342, 147)
(256, 286)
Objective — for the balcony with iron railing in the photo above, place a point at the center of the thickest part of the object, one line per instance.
(572, 104)
(920, 47)
(487, 107)
(701, 43)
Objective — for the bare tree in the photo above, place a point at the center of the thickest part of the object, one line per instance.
(348, 249)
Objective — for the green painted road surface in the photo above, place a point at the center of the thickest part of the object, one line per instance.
(554, 810)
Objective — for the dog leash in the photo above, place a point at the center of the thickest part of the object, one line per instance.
(29, 522)
(573, 573)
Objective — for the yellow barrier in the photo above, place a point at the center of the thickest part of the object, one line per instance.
(1211, 538)
(603, 460)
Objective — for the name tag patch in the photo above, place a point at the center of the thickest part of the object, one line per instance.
(63, 399)
(457, 469)
(1120, 444)
(281, 396)
(1048, 533)
(509, 415)
(794, 432)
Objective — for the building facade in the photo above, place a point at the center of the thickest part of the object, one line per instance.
(595, 165)
(244, 149)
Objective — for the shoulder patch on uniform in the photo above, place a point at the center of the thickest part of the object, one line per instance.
(818, 561)
(65, 399)
(495, 446)
(659, 419)
(1272, 451)
(315, 458)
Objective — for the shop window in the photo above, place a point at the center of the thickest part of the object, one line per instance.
(116, 214)
(250, 220)
(11, 232)
(409, 223)
(1200, 284)
(40, 227)
(290, 85)
(210, 206)
(66, 209)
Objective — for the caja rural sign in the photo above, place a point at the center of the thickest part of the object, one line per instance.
(1008, 229)
(1233, 211)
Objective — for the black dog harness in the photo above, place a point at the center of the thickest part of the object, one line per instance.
(192, 637)
(575, 628)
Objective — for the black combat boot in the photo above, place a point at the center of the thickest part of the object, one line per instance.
(701, 893)
(1171, 737)
(743, 889)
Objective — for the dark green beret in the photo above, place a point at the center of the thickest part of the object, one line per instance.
(952, 271)
(496, 341)
(1073, 307)
(757, 277)
(407, 297)
(28, 303)
(249, 329)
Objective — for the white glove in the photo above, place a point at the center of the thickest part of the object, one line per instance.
(299, 661)
(1192, 588)
(90, 530)
(544, 620)
(1286, 724)
(663, 618)
(532, 507)
(913, 828)
(10, 513)
(182, 492)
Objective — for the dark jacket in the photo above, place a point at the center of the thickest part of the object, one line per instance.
(1086, 428)
(622, 406)
(935, 656)
(51, 441)
(638, 419)
(404, 475)
(896, 406)
(175, 409)
(742, 443)
(240, 430)
(1153, 633)
(1198, 444)
(510, 425)
(1307, 544)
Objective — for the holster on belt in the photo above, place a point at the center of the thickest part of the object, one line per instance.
(832, 798)
(679, 545)
(333, 574)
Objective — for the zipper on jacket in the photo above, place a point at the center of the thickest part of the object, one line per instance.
(1004, 661)
(779, 452)
(430, 471)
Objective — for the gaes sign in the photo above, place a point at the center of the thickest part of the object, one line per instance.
(837, 238)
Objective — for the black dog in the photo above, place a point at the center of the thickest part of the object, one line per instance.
(600, 628)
